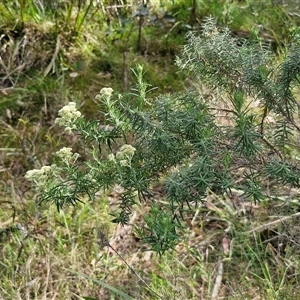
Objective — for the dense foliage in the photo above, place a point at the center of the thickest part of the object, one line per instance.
(178, 139)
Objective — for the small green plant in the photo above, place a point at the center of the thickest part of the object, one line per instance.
(178, 139)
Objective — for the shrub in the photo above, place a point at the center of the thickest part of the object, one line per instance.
(180, 138)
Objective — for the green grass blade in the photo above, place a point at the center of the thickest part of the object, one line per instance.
(107, 286)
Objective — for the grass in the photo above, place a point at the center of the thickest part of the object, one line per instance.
(43, 260)
(50, 58)
(56, 255)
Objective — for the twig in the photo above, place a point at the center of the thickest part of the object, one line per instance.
(134, 272)
(270, 224)
(56, 51)
(218, 282)
(103, 241)
(118, 6)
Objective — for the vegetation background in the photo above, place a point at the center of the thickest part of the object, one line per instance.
(60, 51)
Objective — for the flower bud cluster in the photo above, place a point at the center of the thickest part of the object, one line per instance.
(125, 154)
(66, 155)
(104, 93)
(68, 115)
(40, 177)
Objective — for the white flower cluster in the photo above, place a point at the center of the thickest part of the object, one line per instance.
(40, 177)
(125, 154)
(111, 157)
(66, 155)
(105, 92)
(68, 115)
(126, 151)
